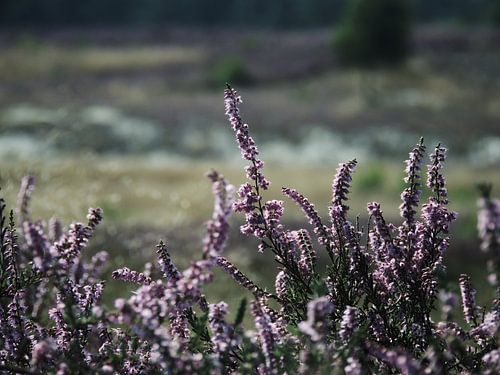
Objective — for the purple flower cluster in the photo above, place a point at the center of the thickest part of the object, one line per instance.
(366, 307)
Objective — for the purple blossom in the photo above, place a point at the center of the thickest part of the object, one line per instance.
(318, 319)
(488, 223)
(168, 267)
(340, 188)
(468, 294)
(24, 197)
(435, 178)
(411, 195)
(353, 366)
(55, 229)
(221, 333)
(43, 352)
(348, 323)
(397, 359)
(240, 277)
(126, 274)
(281, 284)
(492, 360)
(264, 330)
(218, 226)
(307, 257)
(308, 208)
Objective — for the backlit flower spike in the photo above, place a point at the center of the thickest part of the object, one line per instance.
(318, 320)
(265, 333)
(55, 229)
(411, 194)
(24, 197)
(340, 189)
(240, 277)
(396, 359)
(244, 140)
(307, 256)
(348, 323)
(435, 177)
(167, 266)
(312, 215)
(218, 226)
(126, 274)
(468, 294)
(221, 332)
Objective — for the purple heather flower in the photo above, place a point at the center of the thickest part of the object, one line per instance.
(63, 369)
(188, 287)
(62, 331)
(395, 358)
(218, 226)
(437, 217)
(468, 298)
(168, 267)
(348, 323)
(55, 229)
(94, 217)
(179, 328)
(411, 195)
(492, 361)
(221, 333)
(318, 319)
(281, 284)
(353, 367)
(340, 188)
(24, 197)
(450, 329)
(264, 330)
(240, 277)
(308, 208)
(490, 327)
(488, 223)
(245, 141)
(126, 274)
(307, 257)
(435, 178)
(43, 352)
(38, 244)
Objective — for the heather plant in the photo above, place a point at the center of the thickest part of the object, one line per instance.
(368, 309)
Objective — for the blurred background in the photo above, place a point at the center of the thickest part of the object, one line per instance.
(119, 104)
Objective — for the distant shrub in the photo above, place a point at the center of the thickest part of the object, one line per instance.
(230, 70)
(374, 32)
(494, 12)
(370, 310)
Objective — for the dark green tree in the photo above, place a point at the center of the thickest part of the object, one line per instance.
(374, 32)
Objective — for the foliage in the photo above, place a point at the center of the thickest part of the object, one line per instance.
(368, 311)
(374, 32)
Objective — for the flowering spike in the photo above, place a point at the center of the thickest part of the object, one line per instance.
(218, 226)
(264, 330)
(340, 188)
(468, 299)
(240, 277)
(168, 267)
(126, 274)
(435, 178)
(411, 195)
(307, 257)
(24, 197)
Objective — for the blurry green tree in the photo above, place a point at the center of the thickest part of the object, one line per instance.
(374, 32)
